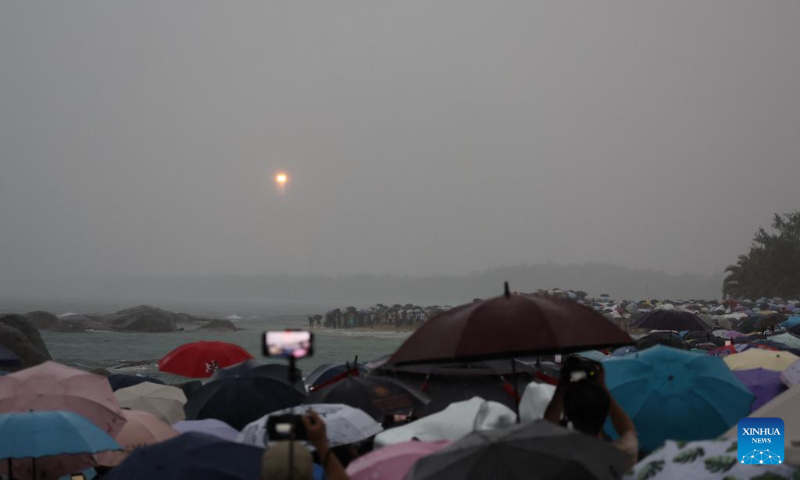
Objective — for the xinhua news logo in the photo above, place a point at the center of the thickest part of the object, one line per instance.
(761, 441)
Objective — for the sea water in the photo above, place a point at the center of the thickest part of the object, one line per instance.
(138, 353)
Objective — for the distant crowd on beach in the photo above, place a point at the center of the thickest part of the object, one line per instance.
(397, 315)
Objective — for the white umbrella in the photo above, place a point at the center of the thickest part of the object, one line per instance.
(343, 424)
(456, 421)
(702, 460)
(535, 400)
(791, 376)
(165, 402)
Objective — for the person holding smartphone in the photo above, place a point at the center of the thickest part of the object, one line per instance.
(583, 400)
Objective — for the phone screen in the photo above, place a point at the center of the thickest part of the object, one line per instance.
(288, 343)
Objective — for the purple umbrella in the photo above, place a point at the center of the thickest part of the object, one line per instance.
(211, 426)
(765, 384)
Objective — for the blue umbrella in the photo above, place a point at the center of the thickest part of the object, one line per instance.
(595, 355)
(48, 434)
(8, 358)
(191, 455)
(791, 322)
(672, 394)
(622, 351)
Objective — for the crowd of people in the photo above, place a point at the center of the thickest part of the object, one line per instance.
(363, 422)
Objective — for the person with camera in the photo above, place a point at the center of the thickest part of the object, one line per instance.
(291, 460)
(582, 400)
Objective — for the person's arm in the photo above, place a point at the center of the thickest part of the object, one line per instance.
(553, 411)
(619, 419)
(318, 437)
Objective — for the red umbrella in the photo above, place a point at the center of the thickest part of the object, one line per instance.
(202, 359)
(509, 326)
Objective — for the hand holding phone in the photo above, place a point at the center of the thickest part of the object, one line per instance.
(288, 343)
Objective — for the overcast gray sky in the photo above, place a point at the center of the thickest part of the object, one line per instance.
(420, 136)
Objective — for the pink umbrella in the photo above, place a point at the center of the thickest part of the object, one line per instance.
(51, 386)
(140, 429)
(392, 462)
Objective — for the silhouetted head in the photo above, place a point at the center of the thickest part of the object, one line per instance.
(586, 405)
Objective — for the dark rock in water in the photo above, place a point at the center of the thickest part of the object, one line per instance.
(144, 319)
(19, 335)
(219, 324)
(43, 320)
(80, 323)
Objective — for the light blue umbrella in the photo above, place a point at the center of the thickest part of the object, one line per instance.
(47, 434)
(595, 355)
(791, 321)
(672, 394)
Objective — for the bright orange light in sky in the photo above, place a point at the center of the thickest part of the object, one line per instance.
(281, 179)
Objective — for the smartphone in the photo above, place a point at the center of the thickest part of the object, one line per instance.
(557, 358)
(728, 343)
(288, 343)
(286, 427)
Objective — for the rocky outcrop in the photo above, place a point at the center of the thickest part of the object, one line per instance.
(19, 335)
(145, 319)
(219, 324)
(43, 320)
(81, 323)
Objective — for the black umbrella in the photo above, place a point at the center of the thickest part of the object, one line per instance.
(238, 401)
(377, 396)
(8, 358)
(254, 368)
(669, 339)
(121, 380)
(670, 320)
(540, 450)
(697, 337)
(191, 455)
(769, 321)
(328, 372)
(190, 388)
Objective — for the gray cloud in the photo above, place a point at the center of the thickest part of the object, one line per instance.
(420, 137)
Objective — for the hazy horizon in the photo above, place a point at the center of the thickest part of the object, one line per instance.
(419, 138)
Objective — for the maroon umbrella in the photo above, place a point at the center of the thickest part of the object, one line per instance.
(509, 326)
(677, 320)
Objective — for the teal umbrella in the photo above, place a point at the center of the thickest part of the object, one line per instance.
(672, 394)
(787, 339)
(51, 434)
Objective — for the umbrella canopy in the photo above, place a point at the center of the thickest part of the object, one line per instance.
(68, 439)
(791, 341)
(791, 375)
(670, 320)
(703, 460)
(165, 402)
(378, 396)
(328, 373)
(139, 430)
(392, 462)
(8, 358)
(254, 368)
(453, 423)
(51, 386)
(668, 339)
(343, 424)
(193, 456)
(535, 400)
(120, 380)
(731, 334)
(202, 359)
(769, 321)
(540, 450)
(209, 426)
(764, 384)
(238, 401)
(509, 326)
(760, 358)
(673, 394)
